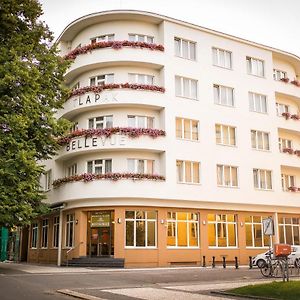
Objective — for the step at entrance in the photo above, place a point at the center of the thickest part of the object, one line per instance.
(99, 262)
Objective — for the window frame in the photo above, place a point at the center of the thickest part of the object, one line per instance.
(45, 234)
(252, 102)
(146, 220)
(218, 91)
(48, 180)
(282, 108)
(226, 222)
(284, 143)
(216, 53)
(188, 224)
(190, 87)
(252, 223)
(251, 61)
(34, 235)
(137, 35)
(231, 180)
(70, 238)
(107, 37)
(146, 120)
(102, 79)
(279, 74)
(106, 120)
(189, 51)
(103, 165)
(183, 131)
(263, 133)
(286, 178)
(55, 233)
(192, 171)
(259, 175)
(222, 139)
(292, 225)
(136, 165)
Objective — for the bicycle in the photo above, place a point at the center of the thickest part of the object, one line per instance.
(273, 267)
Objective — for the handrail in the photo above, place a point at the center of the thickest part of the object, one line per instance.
(73, 248)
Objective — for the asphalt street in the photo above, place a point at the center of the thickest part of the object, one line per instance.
(31, 282)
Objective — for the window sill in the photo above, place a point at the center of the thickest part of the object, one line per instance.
(262, 150)
(182, 247)
(188, 59)
(229, 187)
(259, 112)
(225, 105)
(187, 140)
(229, 247)
(140, 248)
(253, 248)
(263, 190)
(258, 76)
(225, 68)
(189, 98)
(189, 183)
(231, 146)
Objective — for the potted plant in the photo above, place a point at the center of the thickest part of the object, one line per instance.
(287, 115)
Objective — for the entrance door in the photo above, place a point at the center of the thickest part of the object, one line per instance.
(100, 234)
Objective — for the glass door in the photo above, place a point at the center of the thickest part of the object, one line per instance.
(100, 233)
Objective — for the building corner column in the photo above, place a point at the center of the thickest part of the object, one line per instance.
(59, 250)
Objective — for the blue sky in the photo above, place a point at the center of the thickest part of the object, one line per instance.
(275, 23)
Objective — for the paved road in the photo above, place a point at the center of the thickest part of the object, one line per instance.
(22, 281)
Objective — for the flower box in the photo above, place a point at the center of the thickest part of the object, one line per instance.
(293, 189)
(297, 152)
(286, 80)
(107, 132)
(87, 177)
(295, 117)
(111, 86)
(287, 115)
(112, 44)
(288, 150)
(295, 82)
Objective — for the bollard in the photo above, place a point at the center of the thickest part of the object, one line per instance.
(203, 262)
(236, 262)
(224, 262)
(213, 262)
(250, 262)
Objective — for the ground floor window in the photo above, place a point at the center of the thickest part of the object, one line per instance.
(55, 232)
(222, 230)
(70, 230)
(254, 232)
(289, 230)
(45, 227)
(34, 235)
(183, 229)
(141, 228)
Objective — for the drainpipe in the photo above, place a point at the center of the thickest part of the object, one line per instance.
(60, 237)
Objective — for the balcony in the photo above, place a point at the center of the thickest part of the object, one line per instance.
(91, 98)
(289, 121)
(117, 138)
(111, 53)
(287, 88)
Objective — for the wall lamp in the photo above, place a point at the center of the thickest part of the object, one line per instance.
(119, 220)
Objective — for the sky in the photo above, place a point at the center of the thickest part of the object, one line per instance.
(275, 23)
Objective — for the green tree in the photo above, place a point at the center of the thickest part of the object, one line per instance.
(31, 90)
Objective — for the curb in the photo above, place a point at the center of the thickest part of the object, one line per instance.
(241, 296)
(78, 295)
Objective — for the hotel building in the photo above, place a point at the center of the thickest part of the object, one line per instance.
(184, 140)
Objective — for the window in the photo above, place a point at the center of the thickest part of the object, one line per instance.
(140, 166)
(260, 140)
(141, 38)
(76, 86)
(45, 227)
(103, 38)
(72, 170)
(185, 49)
(55, 232)
(187, 129)
(289, 230)
(188, 171)
(102, 79)
(141, 78)
(223, 95)
(74, 127)
(227, 176)
(258, 103)
(278, 75)
(140, 121)
(284, 144)
(262, 179)
(101, 122)
(225, 135)
(222, 230)
(34, 235)
(287, 181)
(255, 66)
(183, 229)
(222, 58)
(141, 228)
(70, 232)
(254, 232)
(48, 180)
(99, 166)
(281, 108)
(185, 87)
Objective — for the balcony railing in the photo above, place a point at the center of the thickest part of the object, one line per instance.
(112, 44)
(87, 177)
(107, 132)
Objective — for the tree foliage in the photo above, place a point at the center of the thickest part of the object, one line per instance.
(31, 90)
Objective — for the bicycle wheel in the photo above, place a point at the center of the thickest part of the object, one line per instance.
(278, 269)
(265, 270)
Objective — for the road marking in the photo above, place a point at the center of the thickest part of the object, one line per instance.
(78, 295)
(160, 294)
